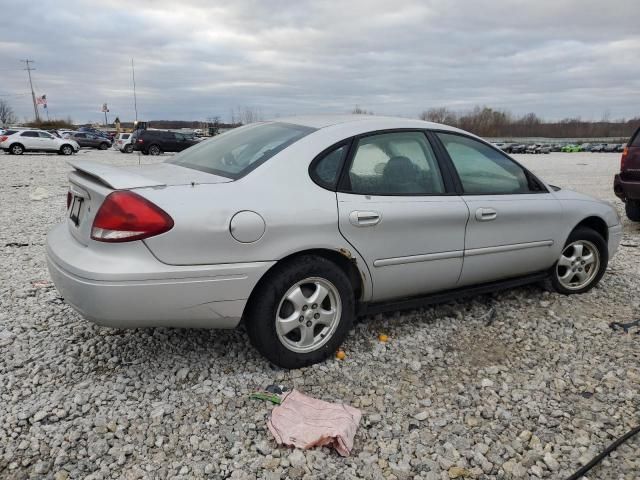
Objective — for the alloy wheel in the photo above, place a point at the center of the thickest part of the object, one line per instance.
(308, 315)
(578, 265)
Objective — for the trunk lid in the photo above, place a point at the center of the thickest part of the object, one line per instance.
(91, 182)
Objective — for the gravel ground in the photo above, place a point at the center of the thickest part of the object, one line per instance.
(523, 383)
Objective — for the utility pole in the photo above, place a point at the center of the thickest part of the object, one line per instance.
(135, 100)
(33, 95)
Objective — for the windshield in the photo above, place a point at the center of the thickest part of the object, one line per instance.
(237, 152)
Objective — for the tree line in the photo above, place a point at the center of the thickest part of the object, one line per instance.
(488, 122)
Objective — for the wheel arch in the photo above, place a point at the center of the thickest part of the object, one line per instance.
(598, 224)
(340, 257)
(17, 143)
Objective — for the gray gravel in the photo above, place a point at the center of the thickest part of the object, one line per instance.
(520, 384)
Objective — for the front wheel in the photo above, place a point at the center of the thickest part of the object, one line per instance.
(66, 150)
(301, 313)
(103, 146)
(128, 148)
(632, 208)
(582, 262)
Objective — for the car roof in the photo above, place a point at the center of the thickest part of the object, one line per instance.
(376, 121)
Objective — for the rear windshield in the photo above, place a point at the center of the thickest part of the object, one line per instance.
(635, 140)
(124, 136)
(235, 153)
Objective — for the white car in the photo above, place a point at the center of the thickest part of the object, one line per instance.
(21, 141)
(123, 142)
(66, 133)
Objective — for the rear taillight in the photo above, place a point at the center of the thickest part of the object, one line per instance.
(3, 138)
(140, 140)
(69, 198)
(126, 216)
(623, 159)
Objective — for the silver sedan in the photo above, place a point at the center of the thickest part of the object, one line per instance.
(296, 226)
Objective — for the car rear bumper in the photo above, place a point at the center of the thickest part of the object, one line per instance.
(625, 189)
(126, 291)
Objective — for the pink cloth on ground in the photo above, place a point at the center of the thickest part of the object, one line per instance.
(306, 422)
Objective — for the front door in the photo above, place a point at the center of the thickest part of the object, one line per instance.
(396, 211)
(513, 222)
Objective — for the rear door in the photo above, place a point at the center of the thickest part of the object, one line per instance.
(400, 213)
(30, 140)
(514, 221)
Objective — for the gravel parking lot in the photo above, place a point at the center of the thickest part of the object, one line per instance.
(519, 384)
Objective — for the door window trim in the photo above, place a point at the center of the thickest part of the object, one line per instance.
(343, 185)
(454, 172)
(321, 156)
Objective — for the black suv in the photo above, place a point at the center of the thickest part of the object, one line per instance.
(154, 142)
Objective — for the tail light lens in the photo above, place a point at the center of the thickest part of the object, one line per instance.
(126, 216)
(3, 138)
(623, 159)
(140, 140)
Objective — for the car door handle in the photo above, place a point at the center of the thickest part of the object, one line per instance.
(486, 214)
(364, 219)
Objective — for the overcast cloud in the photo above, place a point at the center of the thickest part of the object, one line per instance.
(197, 59)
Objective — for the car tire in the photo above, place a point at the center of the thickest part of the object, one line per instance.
(632, 208)
(154, 150)
(300, 339)
(574, 272)
(66, 150)
(16, 149)
(128, 148)
(103, 146)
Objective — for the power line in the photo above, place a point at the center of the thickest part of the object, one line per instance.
(33, 95)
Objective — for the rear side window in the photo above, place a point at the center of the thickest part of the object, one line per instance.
(326, 169)
(29, 134)
(484, 170)
(398, 163)
(235, 153)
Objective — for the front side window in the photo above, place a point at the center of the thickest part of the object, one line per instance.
(485, 171)
(235, 153)
(398, 163)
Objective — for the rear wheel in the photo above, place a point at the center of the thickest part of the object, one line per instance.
(103, 146)
(16, 149)
(154, 150)
(301, 313)
(582, 262)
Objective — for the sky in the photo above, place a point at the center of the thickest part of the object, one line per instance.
(196, 59)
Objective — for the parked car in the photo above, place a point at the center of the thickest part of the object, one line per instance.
(17, 142)
(155, 142)
(571, 148)
(66, 133)
(544, 149)
(123, 142)
(626, 184)
(297, 226)
(620, 147)
(517, 148)
(597, 148)
(95, 131)
(90, 140)
(533, 148)
(610, 148)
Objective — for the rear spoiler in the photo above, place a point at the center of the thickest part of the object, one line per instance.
(114, 177)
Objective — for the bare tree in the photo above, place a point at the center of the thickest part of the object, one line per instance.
(245, 115)
(440, 115)
(7, 116)
(361, 111)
